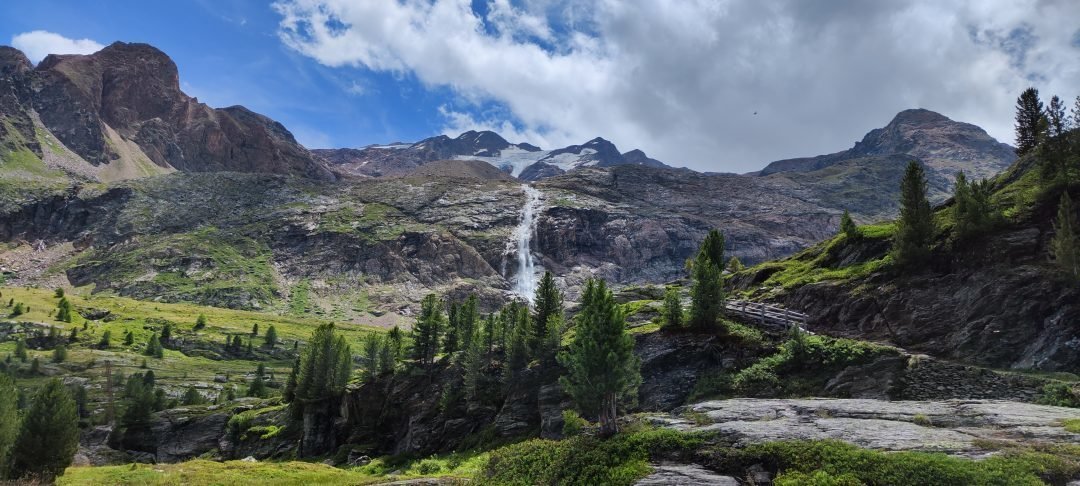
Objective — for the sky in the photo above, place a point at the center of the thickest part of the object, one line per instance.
(714, 85)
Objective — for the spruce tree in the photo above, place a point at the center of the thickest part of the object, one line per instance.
(1029, 121)
(63, 310)
(734, 264)
(915, 227)
(848, 226)
(471, 368)
(468, 318)
(427, 331)
(673, 311)
(192, 397)
(450, 344)
(713, 248)
(257, 388)
(395, 341)
(20, 350)
(58, 293)
(323, 369)
(129, 338)
(271, 337)
(1057, 120)
(59, 354)
(547, 303)
(601, 367)
(153, 346)
(255, 329)
(517, 345)
(74, 335)
(371, 354)
(48, 436)
(166, 333)
(972, 213)
(18, 310)
(1065, 245)
(106, 339)
(706, 293)
(200, 322)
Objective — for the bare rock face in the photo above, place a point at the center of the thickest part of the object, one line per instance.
(685, 475)
(96, 103)
(953, 427)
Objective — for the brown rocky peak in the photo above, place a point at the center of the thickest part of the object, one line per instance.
(13, 61)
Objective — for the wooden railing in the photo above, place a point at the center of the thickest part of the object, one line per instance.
(767, 314)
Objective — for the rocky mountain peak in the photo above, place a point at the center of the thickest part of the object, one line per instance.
(13, 61)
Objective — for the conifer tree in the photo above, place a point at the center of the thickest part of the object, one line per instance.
(1057, 120)
(1029, 121)
(1065, 245)
(450, 344)
(200, 322)
(129, 338)
(387, 361)
(489, 334)
(271, 337)
(427, 331)
(915, 227)
(848, 226)
(192, 397)
(63, 310)
(517, 346)
(673, 311)
(713, 248)
(472, 365)
(82, 402)
(74, 335)
(547, 303)
(1076, 114)
(734, 264)
(20, 350)
(106, 339)
(371, 355)
(972, 213)
(153, 346)
(468, 317)
(257, 388)
(48, 436)
(58, 293)
(35, 366)
(395, 341)
(323, 369)
(255, 329)
(59, 354)
(601, 367)
(18, 310)
(237, 343)
(707, 293)
(166, 333)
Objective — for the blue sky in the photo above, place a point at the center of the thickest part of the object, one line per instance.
(228, 53)
(711, 85)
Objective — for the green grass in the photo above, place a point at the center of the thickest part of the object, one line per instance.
(206, 265)
(176, 370)
(215, 473)
(813, 264)
(1073, 425)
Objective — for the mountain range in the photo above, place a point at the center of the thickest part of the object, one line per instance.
(396, 220)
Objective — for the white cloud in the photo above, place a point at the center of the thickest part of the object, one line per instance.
(683, 79)
(40, 43)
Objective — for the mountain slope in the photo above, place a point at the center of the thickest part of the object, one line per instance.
(124, 103)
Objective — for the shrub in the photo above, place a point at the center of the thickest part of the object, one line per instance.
(573, 424)
(428, 466)
(922, 420)
(818, 478)
(1059, 395)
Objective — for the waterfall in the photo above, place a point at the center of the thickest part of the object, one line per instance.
(525, 280)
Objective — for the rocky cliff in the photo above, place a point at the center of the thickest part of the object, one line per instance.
(123, 105)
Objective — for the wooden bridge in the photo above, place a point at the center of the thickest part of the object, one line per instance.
(766, 315)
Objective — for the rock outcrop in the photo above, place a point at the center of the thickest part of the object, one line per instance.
(954, 427)
(125, 103)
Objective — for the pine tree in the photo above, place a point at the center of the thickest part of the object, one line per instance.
(20, 350)
(673, 311)
(166, 333)
(427, 331)
(18, 310)
(106, 339)
(713, 248)
(601, 367)
(1076, 114)
(63, 310)
(58, 293)
(395, 340)
(192, 397)
(915, 227)
(153, 346)
(255, 329)
(472, 366)
(371, 354)
(734, 264)
(129, 338)
(1057, 120)
(49, 434)
(972, 213)
(59, 354)
(257, 388)
(35, 366)
(82, 401)
(9, 419)
(848, 226)
(450, 343)
(517, 345)
(74, 335)
(707, 293)
(387, 361)
(271, 337)
(200, 322)
(1029, 121)
(468, 318)
(1065, 245)
(547, 303)
(323, 369)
